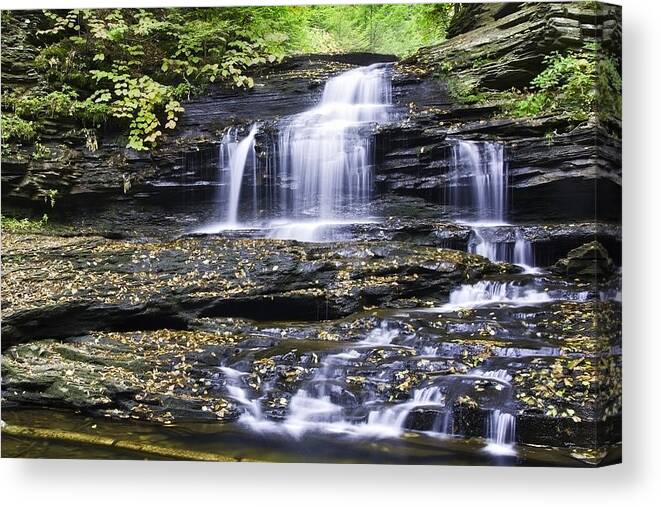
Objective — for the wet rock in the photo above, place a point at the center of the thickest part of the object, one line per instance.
(568, 177)
(144, 376)
(587, 261)
(99, 284)
(554, 365)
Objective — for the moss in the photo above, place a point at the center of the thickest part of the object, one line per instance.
(24, 225)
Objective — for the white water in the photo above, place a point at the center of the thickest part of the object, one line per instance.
(323, 168)
(314, 406)
(233, 158)
(479, 185)
(311, 230)
(325, 153)
(501, 430)
(479, 180)
(311, 408)
(481, 245)
(485, 293)
(395, 417)
(523, 251)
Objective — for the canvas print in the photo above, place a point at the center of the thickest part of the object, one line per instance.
(323, 233)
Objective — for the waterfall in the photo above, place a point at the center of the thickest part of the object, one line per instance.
(523, 251)
(319, 175)
(232, 162)
(501, 430)
(480, 244)
(485, 192)
(486, 241)
(478, 184)
(326, 153)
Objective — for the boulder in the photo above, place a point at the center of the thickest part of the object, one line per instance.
(590, 260)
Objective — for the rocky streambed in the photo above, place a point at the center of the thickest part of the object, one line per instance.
(396, 339)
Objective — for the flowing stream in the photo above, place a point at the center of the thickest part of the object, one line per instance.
(322, 162)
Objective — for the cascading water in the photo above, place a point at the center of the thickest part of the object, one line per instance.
(479, 180)
(326, 154)
(479, 184)
(487, 292)
(234, 155)
(323, 162)
(396, 416)
(325, 404)
(486, 241)
(501, 430)
(523, 254)
(323, 168)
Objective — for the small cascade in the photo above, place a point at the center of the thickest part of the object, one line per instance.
(237, 391)
(485, 293)
(479, 243)
(396, 416)
(382, 335)
(501, 432)
(234, 154)
(488, 242)
(479, 180)
(479, 186)
(523, 254)
(324, 404)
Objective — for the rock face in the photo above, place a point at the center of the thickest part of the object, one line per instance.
(502, 45)
(557, 168)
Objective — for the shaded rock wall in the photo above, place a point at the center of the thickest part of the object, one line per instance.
(557, 168)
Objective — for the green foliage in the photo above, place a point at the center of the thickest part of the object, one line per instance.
(131, 69)
(16, 128)
(51, 105)
(464, 92)
(397, 29)
(140, 63)
(609, 88)
(40, 152)
(577, 84)
(23, 225)
(49, 196)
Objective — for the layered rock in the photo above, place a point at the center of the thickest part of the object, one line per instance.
(70, 286)
(557, 168)
(503, 45)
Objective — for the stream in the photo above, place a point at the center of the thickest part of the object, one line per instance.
(444, 376)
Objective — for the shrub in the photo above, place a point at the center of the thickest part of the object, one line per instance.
(16, 129)
(576, 84)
